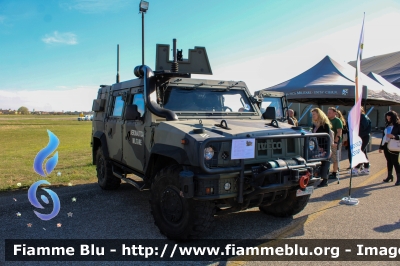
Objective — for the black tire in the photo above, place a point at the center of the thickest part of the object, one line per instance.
(105, 177)
(178, 218)
(290, 206)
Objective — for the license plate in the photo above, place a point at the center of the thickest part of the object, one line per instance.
(307, 191)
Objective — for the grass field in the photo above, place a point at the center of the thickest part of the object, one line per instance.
(23, 136)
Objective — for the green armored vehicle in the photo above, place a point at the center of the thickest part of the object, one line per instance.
(202, 146)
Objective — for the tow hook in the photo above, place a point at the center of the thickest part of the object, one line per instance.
(304, 179)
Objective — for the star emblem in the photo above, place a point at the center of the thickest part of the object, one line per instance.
(18, 214)
(29, 225)
(69, 214)
(73, 199)
(58, 225)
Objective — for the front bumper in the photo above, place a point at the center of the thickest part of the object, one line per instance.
(258, 182)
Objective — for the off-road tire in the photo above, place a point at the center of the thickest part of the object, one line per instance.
(290, 206)
(105, 177)
(185, 218)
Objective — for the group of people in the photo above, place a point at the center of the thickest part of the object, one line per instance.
(334, 121)
(325, 123)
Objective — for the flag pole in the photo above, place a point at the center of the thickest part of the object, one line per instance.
(351, 177)
(356, 154)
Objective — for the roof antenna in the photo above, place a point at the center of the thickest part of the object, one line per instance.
(174, 65)
(117, 63)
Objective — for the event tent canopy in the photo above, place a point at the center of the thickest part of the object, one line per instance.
(386, 65)
(330, 82)
(390, 91)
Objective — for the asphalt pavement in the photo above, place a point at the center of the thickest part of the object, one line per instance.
(87, 212)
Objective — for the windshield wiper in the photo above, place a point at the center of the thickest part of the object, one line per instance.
(219, 90)
(215, 113)
(198, 85)
(187, 88)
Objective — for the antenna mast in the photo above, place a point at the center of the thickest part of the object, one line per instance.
(117, 63)
(174, 65)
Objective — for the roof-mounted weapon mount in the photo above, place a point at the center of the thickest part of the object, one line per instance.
(197, 62)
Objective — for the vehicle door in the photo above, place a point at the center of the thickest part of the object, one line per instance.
(134, 132)
(114, 122)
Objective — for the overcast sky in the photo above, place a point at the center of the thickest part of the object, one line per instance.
(55, 54)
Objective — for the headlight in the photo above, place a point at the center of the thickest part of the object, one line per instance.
(227, 186)
(208, 153)
(311, 145)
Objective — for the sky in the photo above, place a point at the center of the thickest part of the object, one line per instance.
(55, 54)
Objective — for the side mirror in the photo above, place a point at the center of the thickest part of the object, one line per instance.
(131, 112)
(98, 105)
(269, 113)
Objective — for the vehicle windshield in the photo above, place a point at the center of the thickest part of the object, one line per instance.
(272, 102)
(206, 100)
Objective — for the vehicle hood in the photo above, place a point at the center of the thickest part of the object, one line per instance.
(236, 128)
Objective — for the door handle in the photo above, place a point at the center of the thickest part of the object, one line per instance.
(110, 132)
(128, 135)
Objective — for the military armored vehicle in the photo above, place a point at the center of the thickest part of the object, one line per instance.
(202, 146)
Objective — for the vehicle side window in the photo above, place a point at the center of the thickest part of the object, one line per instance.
(118, 106)
(139, 101)
(272, 102)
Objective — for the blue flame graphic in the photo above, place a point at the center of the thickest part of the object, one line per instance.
(44, 153)
(32, 198)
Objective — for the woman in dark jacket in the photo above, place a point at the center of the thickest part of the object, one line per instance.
(391, 131)
(321, 124)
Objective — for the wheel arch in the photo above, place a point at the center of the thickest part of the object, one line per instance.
(157, 162)
(99, 140)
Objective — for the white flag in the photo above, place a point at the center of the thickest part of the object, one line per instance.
(357, 155)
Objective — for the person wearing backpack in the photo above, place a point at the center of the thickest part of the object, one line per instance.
(365, 134)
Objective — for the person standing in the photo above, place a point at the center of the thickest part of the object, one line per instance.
(365, 134)
(391, 131)
(321, 124)
(345, 131)
(337, 128)
(292, 119)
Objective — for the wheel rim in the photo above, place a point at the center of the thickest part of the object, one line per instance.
(171, 205)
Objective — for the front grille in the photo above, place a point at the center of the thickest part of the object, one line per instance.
(311, 147)
(277, 148)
